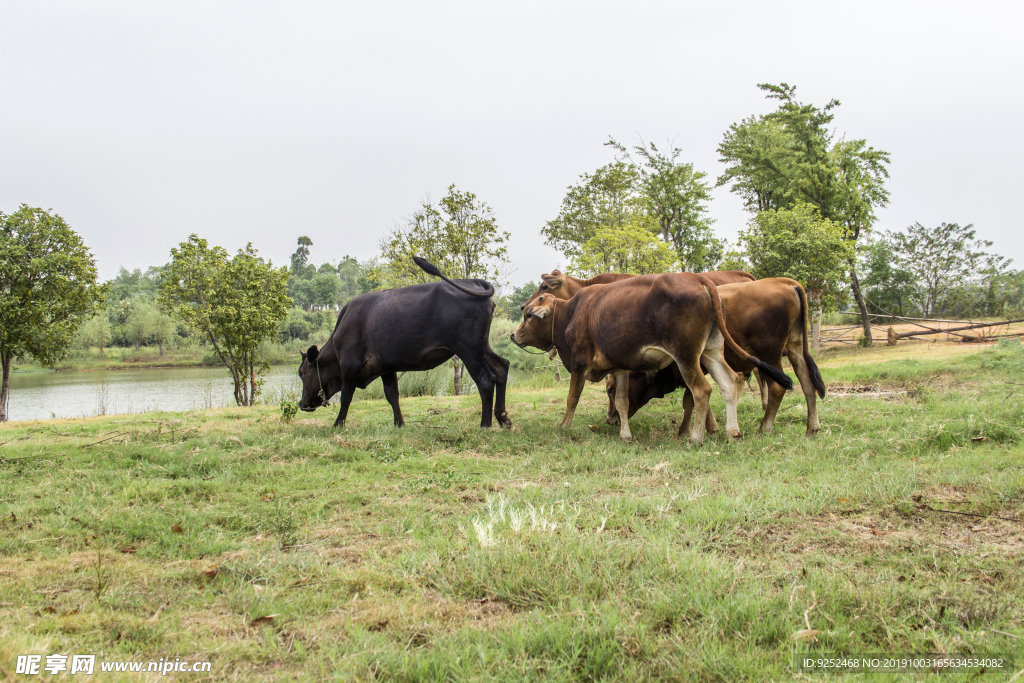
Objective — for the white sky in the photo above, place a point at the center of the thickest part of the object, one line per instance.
(142, 122)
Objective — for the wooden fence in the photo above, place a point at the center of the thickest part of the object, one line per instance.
(885, 325)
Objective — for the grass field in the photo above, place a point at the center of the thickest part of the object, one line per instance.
(443, 552)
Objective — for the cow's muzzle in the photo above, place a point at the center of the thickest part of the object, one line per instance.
(536, 353)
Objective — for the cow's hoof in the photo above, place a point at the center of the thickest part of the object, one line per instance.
(612, 420)
(627, 438)
(735, 435)
(810, 434)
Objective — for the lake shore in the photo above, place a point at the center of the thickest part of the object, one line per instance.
(116, 358)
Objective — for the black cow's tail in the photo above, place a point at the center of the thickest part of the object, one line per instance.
(431, 269)
(816, 381)
(767, 371)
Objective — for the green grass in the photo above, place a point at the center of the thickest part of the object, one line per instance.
(443, 552)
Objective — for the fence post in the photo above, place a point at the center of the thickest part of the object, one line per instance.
(816, 331)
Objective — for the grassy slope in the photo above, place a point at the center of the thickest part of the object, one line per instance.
(444, 552)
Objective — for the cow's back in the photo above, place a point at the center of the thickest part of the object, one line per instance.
(621, 319)
(389, 325)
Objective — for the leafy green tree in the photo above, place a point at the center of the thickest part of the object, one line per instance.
(610, 198)
(160, 327)
(460, 236)
(235, 303)
(798, 243)
(48, 289)
(136, 323)
(629, 249)
(517, 298)
(301, 257)
(792, 155)
(324, 288)
(677, 197)
(349, 273)
(946, 262)
(888, 283)
(95, 332)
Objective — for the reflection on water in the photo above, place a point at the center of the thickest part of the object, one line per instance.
(42, 395)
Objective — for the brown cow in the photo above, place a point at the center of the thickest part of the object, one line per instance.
(565, 286)
(768, 318)
(644, 323)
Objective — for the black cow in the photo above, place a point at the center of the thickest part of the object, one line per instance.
(379, 334)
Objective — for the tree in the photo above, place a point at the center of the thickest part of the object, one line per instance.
(461, 237)
(301, 256)
(138, 323)
(349, 273)
(610, 198)
(630, 249)
(889, 284)
(48, 289)
(324, 289)
(235, 303)
(944, 261)
(517, 298)
(676, 197)
(791, 155)
(798, 243)
(160, 327)
(96, 332)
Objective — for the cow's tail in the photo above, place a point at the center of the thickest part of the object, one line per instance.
(767, 371)
(816, 381)
(431, 269)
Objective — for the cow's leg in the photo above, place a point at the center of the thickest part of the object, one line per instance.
(729, 382)
(710, 423)
(775, 396)
(762, 386)
(795, 354)
(482, 375)
(576, 384)
(499, 367)
(700, 392)
(609, 388)
(348, 390)
(390, 381)
(688, 411)
(622, 404)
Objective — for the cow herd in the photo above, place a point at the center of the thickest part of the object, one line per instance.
(646, 335)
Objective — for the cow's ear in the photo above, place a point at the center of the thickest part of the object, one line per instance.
(553, 281)
(312, 353)
(540, 312)
(557, 272)
(303, 354)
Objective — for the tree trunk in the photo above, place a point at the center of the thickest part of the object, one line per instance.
(5, 389)
(101, 349)
(864, 318)
(159, 343)
(816, 330)
(457, 375)
(239, 398)
(252, 383)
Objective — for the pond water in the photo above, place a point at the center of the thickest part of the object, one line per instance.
(45, 395)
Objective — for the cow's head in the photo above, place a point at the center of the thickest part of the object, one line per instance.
(313, 395)
(537, 328)
(554, 283)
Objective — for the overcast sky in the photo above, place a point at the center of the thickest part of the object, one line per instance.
(143, 122)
